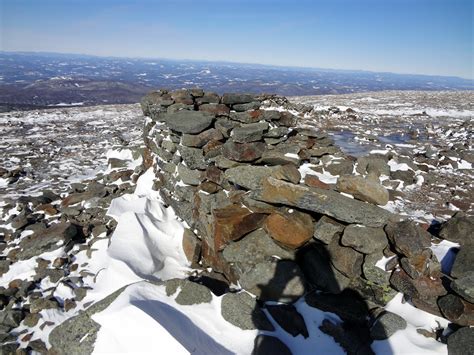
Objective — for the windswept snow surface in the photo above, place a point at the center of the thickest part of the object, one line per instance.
(147, 246)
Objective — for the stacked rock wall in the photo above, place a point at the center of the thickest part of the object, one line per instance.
(234, 171)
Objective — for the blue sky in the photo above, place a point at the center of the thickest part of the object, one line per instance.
(402, 36)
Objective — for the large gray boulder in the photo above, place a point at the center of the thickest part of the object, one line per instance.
(242, 310)
(459, 229)
(386, 325)
(191, 122)
(249, 132)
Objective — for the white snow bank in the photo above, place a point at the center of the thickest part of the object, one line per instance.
(155, 321)
(409, 341)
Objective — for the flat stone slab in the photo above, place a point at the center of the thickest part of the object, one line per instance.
(186, 121)
(322, 201)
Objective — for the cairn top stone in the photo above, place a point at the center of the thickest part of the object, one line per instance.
(191, 122)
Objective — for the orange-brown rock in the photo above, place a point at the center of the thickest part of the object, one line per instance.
(233, 222)
(313, 181)
(290, 228)
(191, 246)
(48, 209)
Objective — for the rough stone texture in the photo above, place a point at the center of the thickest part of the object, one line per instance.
(386, 325)
(464, 286)
(251, 177)
(326, 229)
(246, 107)
(345, 259)
(464, 262)
(321, 201)
(457, 310)
(249, 132)
(460, 341)
(242, 310)
(408, 238)
(189, 177)
(199, 140)
(313, 181)
(280, 281)
(191, 122)
(232, 223)
(192, 293)
(243, 152)
(340, 167)
(423, 264)
(363, 189)
(459, 228)
(255, 248)
(372, 165)
(423, 287)
(232, 98)
(191, 246)
(373, 273)
(366, 240)
(275, 157)
(216, 109)
(290, 228)
(47, 240)
(193, 157)
(267, 344)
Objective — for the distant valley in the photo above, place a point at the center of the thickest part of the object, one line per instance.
(38, 80)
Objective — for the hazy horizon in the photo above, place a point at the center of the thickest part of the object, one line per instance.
(198, 60)
(422, 37)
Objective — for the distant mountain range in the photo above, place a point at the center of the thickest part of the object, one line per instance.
(30, 80)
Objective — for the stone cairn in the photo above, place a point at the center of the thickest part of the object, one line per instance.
(229, 167)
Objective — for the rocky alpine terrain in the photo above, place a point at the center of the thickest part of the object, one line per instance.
(240, 224)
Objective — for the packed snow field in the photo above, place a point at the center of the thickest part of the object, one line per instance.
(137, 247)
